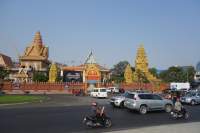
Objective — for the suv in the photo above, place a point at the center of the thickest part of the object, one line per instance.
(144, 102)
(191, 98)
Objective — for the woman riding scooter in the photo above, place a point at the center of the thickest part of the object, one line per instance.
(178, 107)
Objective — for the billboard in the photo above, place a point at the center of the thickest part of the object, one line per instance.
(72, 76)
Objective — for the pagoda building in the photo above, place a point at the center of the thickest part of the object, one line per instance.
(141, 65)
(90, 72)
(36, 55)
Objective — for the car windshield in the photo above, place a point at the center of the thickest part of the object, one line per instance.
(124, 94)
(102, 90)
(190, 94)
(129, 95)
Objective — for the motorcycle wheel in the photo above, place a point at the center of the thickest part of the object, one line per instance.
(186, 116)
(89, 123)
(174, 115)
(107, 123)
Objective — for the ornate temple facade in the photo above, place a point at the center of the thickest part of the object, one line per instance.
(141, 66)
(90, 72)
(36, 55)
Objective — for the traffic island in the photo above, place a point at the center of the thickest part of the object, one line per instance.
(16, 99)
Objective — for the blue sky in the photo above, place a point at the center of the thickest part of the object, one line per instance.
(112, 29)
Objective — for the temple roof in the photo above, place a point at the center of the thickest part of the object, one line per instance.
(82, 67)
(6, 61)
(90, 59)
(33, 58)
(37, 39)
(37, 50)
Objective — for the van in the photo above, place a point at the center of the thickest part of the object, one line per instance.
(113, 89)
(99, 92)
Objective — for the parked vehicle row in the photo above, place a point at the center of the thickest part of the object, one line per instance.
(143, 101)
(191, 98)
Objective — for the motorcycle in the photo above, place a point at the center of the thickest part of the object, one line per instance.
(181, 114)
(94, 122)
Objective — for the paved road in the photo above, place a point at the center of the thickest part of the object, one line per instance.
(64, 119)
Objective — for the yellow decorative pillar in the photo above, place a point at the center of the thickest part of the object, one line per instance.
(53, 72)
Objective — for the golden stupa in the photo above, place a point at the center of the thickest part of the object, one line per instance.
(128, 74)
(141, 65)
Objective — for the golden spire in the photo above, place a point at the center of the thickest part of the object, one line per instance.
(128, 74)
(141, 65)
(141, 61)
(37, 39)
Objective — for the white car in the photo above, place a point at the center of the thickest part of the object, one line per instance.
(113, 90)
(99, 93)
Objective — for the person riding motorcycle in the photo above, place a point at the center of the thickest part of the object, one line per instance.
(97, 112)
(97, 117)
(178, 107)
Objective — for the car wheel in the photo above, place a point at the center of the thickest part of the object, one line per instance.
(193, 102)
(168, 108)
(143, 109)
(121, 104)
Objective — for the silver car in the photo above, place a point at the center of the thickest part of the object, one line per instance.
(118, 101)
(144, 102)
(191, 98)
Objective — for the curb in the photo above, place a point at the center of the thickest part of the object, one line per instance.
(7, 104)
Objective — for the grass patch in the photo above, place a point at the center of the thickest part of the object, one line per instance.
(6, 99)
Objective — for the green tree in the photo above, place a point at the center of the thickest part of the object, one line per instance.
(154, 72)
(189, 73)
(178, 74)
(117, 73)
(3, 73)
(40, 77)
